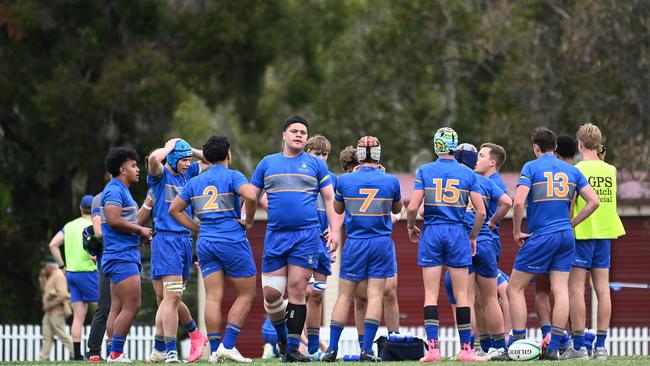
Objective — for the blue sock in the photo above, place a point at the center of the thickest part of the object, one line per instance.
(518, 334)
(230, 338)
(336, 329)
(499, 341)
(431, 322)
(485, 341)
(546, 328)
(215, 341)
(117, 343)
(556, 337)
(589, 340)
(313, 338)
(370, 327)
(601, 336)
(281, 330)
(190, 327)
(170, 344)
(159, 343)
(293, 342)
(361, 337)
(578, 339)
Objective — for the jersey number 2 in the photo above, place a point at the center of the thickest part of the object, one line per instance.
(213, 193)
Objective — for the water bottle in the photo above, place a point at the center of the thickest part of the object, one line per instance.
(353, 358)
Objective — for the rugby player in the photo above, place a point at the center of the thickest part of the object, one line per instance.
(446, 188)
(171, 249)
(122, 236)
(547, 185)
(367, 196)
(292, 180)
(222, 247)
(319, 147)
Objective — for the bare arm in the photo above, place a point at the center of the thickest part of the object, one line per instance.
(339, 207)
(504, 204)
(204, 164)
(177, 211)
(397, 207)
(479, 215)
(518, 214)
(144, 213)
(591, 204)
(55, 243)
(154, 164)
(249, 193)
(333, 238)
(97, 226)
(412, 213)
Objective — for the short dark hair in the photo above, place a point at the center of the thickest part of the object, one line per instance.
(118, 156)
(497, 153)
(216, 149)
(567, 146)
(545, 139)
(86, 210)
(295, 119)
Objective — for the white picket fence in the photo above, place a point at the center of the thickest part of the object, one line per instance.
(23, 342)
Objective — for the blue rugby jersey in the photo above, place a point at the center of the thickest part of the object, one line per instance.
(496, 178)
(553, 184)
(322, 213)
(214, 200)
(490, 194)
(292, 185)
(117, 243)
(368, 195)
(446, 185)
(164, 189)
(96, 203)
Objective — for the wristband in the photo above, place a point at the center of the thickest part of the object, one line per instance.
(146, 207)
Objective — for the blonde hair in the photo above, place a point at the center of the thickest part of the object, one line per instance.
(318, 142)
(590, 137)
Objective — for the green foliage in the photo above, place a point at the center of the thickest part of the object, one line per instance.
(78, 77)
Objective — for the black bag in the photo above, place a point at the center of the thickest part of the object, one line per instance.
(91, 244)
(400, 351)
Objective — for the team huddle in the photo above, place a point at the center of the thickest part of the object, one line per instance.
(460, 197)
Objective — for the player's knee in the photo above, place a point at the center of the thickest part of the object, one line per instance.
(390, 294)
(275, 307)
(361, 303)
(173, 291)
(315, 297)
(273, 287)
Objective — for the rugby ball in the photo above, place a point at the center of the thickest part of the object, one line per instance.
(524, 350)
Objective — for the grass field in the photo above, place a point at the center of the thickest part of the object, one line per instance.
(614, 361)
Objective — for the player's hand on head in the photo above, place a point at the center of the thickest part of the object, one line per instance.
(414, 234)
(172, 143)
